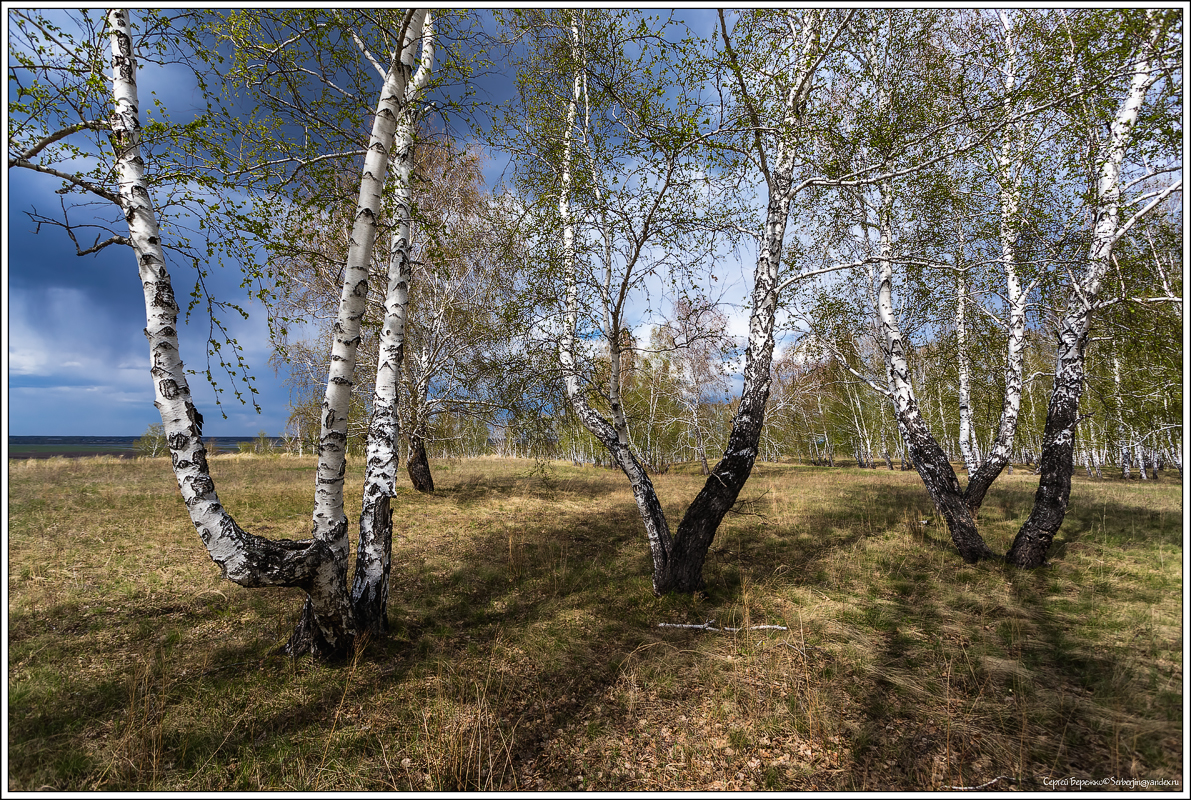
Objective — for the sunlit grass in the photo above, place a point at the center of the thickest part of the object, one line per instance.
(525, 650)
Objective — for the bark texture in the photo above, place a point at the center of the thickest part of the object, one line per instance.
(330, 522)
(1033, 541)
(418, 465)
(248, 560)
(370, 586)
(657, 529)
(678, 561)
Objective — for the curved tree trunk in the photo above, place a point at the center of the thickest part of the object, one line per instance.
(327, 626)
(929, 459)
(1033, 541)
(330, 521)
(684, 570)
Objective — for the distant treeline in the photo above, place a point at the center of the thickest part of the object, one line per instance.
(120, 446)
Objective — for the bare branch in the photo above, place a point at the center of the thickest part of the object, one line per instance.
(73, 179)
(58, 136)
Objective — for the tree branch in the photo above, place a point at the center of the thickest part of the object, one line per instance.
(58, 136)
(74, 179)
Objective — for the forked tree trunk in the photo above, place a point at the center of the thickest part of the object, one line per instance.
(929, 459)
(678, 561)
(656, 528)
(684, 570)
(1033, 541)
(315, 565)
(318, 565)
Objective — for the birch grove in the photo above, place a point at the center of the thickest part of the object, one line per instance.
(1008, 174)
(963, 231)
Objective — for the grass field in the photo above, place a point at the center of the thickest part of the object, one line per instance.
(526, 652)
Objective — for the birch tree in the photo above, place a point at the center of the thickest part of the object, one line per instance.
(1153, 57)
(621, 166)
(330, 620)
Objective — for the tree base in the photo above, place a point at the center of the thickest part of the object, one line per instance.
(308, 638)
(418, 467)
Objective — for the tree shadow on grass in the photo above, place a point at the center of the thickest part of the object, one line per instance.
(525, 625)
(1037, 673)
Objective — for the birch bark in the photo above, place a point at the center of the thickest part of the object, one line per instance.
(1010, 160)
(970, 454)
(696, 531)
(657, 530)
(1033, 541)
(370, 585)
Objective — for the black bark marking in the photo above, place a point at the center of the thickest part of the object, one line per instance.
(200, 486)
(163, 296)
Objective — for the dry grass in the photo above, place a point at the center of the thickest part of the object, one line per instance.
(525, 652)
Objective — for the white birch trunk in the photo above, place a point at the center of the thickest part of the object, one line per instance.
(1009, 162)
(970, 456)
(370, 586)
(1032, 542)
(330, 522)
(245, 559)
(697, 529)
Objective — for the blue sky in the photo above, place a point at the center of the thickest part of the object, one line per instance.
(78, 362)
(76, 358)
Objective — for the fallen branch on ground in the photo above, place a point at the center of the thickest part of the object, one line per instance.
(710, 626)
(983, 785)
